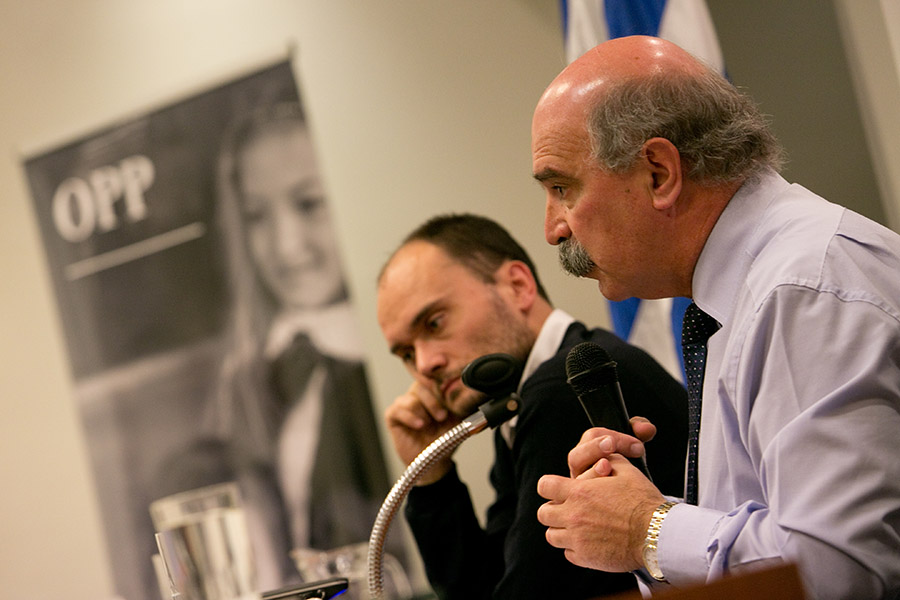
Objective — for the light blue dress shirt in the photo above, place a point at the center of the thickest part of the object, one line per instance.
(800, 432)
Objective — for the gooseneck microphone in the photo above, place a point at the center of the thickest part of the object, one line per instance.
(592, 376)
(497, 377)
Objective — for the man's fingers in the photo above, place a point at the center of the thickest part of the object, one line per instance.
(602, 468)
(432, 405)
(643, 429)
(553, 487)
(586, 454)
(406, 417)
(556, 537)
(592, 434)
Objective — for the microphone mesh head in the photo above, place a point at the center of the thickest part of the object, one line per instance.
(587, 366)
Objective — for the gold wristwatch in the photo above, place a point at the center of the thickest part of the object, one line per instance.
(651, 560)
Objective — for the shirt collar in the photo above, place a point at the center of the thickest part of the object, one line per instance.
(548, 342)
(729, 251)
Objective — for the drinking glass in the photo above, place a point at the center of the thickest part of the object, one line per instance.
(204, 543)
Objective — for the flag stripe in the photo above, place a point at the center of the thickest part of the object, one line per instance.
(627, 17)
(623, 316)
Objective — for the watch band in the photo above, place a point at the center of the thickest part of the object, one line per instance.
(651, 560)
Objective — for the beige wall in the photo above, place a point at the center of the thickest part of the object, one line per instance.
(790, 57)
(418, 107)
(871, 33)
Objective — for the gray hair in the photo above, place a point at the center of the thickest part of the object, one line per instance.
(720, 133)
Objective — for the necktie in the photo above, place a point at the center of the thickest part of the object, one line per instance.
(696, 329)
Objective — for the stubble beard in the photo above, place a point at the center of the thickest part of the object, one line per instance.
(512, 337)
(574, 258)
(464, 401)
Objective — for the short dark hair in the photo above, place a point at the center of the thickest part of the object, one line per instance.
(476, 242)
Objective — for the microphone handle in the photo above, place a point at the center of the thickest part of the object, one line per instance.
(605, 407)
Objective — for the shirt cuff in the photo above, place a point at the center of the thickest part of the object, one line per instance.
(683, 548)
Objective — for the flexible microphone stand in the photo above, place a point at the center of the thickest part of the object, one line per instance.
(496, 375)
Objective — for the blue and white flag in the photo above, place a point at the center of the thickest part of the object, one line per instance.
(654, 325)
(684, 22)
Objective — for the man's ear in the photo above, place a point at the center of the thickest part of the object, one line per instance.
(520, 281)
(663, 160)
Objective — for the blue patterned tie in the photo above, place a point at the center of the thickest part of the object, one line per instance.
(696, 329)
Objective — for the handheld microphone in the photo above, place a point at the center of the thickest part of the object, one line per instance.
(592, 376)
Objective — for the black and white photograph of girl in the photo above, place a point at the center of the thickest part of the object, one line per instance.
(211, 335)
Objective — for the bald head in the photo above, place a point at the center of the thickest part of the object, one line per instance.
(614, 60)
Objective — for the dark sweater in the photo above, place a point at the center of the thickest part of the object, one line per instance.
(510, 558)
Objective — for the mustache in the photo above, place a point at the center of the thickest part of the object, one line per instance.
(574, 258)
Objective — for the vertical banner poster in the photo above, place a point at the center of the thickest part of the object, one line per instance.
(208, 326)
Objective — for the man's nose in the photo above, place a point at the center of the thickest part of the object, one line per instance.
(430, 361)
(555, 227)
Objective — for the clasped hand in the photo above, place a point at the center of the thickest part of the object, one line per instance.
(600, 514)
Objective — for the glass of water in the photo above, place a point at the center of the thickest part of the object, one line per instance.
(204, 543)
